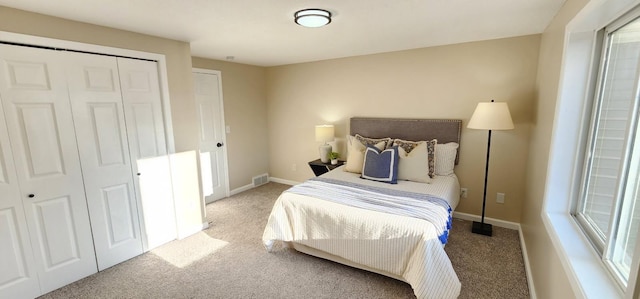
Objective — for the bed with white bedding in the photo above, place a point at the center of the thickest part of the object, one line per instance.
(398, 230)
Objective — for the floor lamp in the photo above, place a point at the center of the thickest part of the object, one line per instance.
(489, 116)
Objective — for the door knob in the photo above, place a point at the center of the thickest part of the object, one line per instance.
(31, 195)
(220, 144)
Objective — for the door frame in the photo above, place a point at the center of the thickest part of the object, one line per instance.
(26, 39)
(225, 168)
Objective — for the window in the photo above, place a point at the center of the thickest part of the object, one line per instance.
(608, 207)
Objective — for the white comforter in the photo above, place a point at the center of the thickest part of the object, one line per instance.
(402, 246)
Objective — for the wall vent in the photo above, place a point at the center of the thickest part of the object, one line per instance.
(260, 180)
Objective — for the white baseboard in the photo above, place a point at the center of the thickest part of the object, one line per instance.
(271, 179)
(241, 189)
(527, 266)
(492, 221)
(283, 181)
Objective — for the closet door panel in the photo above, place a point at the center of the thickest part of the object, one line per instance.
(107, 129)
(55, 229)
(142, 118)
(42, 148)
(18, 277)
(11, 253)
(143, 107)
(38, 116)
(146, 135)
(94, 89)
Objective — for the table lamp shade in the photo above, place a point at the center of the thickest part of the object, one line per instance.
(491, 116)
(324, 133)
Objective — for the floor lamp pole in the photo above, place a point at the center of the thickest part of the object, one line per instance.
(481, 227)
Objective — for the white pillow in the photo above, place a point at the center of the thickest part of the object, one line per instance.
(355, 154)
(414, 166)
(445, 157)
(431, 149)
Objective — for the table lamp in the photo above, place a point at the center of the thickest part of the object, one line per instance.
(324, 134)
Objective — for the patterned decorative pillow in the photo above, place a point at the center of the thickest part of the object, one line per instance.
(374, 141)
(414, 166)
(446, 158)
(381, 166)
(431, 149)
(355, 154)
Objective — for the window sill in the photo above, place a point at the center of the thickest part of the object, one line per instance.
(585, 270)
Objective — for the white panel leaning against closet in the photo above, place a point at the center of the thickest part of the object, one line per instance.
(82, 149)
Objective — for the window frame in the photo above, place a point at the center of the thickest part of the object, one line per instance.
(585, 271)
(594, 91)
(604, 244)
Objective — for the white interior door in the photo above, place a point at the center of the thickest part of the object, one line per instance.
(148, 149)
(213, 161)
(18, 277)
(96, 101)
(38, 115)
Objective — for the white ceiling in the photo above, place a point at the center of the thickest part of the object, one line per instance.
(262, 32)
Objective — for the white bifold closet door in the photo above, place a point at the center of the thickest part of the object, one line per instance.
(148, 148)
(18, 277)
(38, 116)
(98, 114)
(85, 179)
(117, 111)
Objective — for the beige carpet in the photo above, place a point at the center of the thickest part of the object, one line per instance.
(228, 261)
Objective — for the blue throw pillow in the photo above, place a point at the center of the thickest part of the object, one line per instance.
(381, 166)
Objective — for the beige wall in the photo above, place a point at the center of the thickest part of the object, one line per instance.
(548, 274)
(245, 105)
(436, 82)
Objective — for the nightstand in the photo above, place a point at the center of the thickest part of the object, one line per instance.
(320, 168)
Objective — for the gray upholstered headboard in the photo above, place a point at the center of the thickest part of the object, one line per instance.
(445, 130)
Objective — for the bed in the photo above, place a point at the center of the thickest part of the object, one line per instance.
(378, 234)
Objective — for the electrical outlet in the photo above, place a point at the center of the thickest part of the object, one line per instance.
(463, 192)
(500, 198)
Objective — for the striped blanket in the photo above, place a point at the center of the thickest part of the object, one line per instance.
(418, 205)
(373, 238)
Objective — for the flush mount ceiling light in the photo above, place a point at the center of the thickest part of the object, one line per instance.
(312, 17)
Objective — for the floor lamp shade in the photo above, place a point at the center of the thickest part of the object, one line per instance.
(489, 116)
(324, 134)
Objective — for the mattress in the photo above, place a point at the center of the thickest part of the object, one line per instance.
(401, 247)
